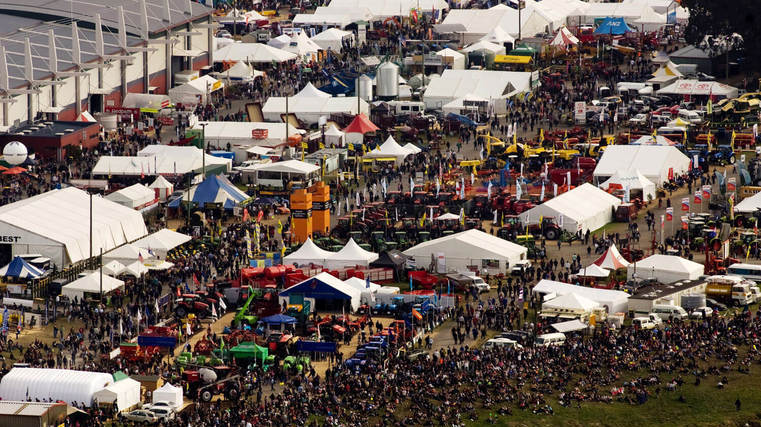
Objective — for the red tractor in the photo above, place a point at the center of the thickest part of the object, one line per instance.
(191, 303)
(547, 228)
(208, 382)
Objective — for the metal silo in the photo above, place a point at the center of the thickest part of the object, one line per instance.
(388, 81)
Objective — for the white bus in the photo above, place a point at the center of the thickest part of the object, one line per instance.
(748, 271)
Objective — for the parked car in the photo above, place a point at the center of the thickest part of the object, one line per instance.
(141, 416)
(638, 120)
(520, 267)
(163, 413)
(162, 404)
(701, 312)
(644, 323)
(710, 302)
(481, 285)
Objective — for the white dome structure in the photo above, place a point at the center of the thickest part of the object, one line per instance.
(14, 153)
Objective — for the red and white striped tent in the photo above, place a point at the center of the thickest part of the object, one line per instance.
(564, 39)
(612, 259)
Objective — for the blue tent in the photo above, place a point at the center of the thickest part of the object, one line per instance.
(614, 26)
(278, 319)
(21, 269)
(214, 189)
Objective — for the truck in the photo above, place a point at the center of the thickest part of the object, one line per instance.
(731, 290)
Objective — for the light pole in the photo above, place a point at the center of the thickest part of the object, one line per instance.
(203, 150)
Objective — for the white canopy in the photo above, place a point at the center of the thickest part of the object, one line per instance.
(468, 248)
(447, 217)
(301, 45)
(309, 91)
(635, 181)
(145, 100)
(310, 109)
(351, 255)
(412, 148)
(390, 148)
(252, 52)
(135, 196)
(650, 20)
(650, 140)
(162, 187)
(161, 242)
(91, 283)
(195, 91)
(308, 253)
(168, 393)
(136, 269)
(697, 88)
(487, 84)
(573, 302)
(236, 15)
(333, 136)
(124, 393)
(498, 36)
(564, 38)
(280, 41)
(593, 270)
(569, 326)
(361, 284)
(73, 387)
(612, 259)
(749, 204)
(113, 268)
(652, 161)
(454, 59)
(583, 208)
(240, 71)
(332, 39)
(127, 254)
(665, 269)
(487, 46)
(615, 301)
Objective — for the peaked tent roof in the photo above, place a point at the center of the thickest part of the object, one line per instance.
(635, 180)
(613, 25)
(279, 42)
(412, 148)
(650, 140)
(332, 130)
(447, 217)
(351, 253)
(486, 45)
(361, 124)
(749, 204)
(214, 189)
(572, 301)
(301, 45)
(240, 70)
(161, 182)
(127, 252)
(668, 69)
(361, 284)
(91, 283)
(447, 52)
(593, 270)
(309, 91)
(325, 286)
(393, 258)
(21, 269)
(612, 259)
(308, 253)
(113, 268)
(469, 244)
(252, 52)
(163, 240)
(498, 35)
(279, 318)
(390, 148)
(564, 38)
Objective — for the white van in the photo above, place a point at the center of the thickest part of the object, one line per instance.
(501, 343)
(546, 340)
(665, 312)
(690, 117)
(644, 323)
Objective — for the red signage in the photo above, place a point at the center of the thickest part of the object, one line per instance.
(166, 120)
(260, 133)
(125, 113)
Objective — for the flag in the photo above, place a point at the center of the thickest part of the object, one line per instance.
(686, 204)
(541, 135)
(669, 214)
(259, 216)
(627, 194)
(188, 331)
(367, 282)
(422, 220)
(280, 224)
(731, 184)
(156, 306)
(698, 197)
(140, 257)
(488, 191)
(139, 316)
(214, 311)
(560, 221)
(222, 304)
(438, 186)
(121, 327)
(462, 216)
(195, 280)
(568, 179)
(494, 221)
(706, 191)
(541, 196)
(417, 314)
(518, 190)
(554, 190)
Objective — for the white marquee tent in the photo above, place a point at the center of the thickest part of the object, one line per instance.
(615, 301)
(652, 161)
(390, 148)
(487, 84)
(333, 136)
(636, 182)
(161, 242)
(135, 196)
(124, 393)
(749, 204)
(698, 88)
(169, 393)
(195, 91)
(351, 254)
(308, 253)
(72, 387)
(332, 39)
(490, 47)
(160, 159)
(252, 53)
(56, 224)
(91, 284)
(498, 36)
(127, 254)
(412, 148)
(310, 91)
(301, 45)
(575, 303)
(665, 269)
(454, 59)
(310, 109)
(240, 71)
(113, 267)
(583, 208)
(468, 248)
(162, 187)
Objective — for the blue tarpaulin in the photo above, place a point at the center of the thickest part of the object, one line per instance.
(614, 26)
(21, 269)
(316, 346)
(214, 189)
(277, 319)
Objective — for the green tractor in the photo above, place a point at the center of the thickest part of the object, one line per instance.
(296, 364)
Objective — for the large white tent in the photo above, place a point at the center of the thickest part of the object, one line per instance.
(749, 204)
(124, 394)
(127, 254)
(333, 39)
(302, 46)
(308, 253)
(635, 181)
(496, 49)
(240, 71)
(652, 161)
(56, 224)
(458, 251)
(310, 91)
(584, 208)
(325, 286)
(195, 91)
(169, 393)
(73, 387)
(697, 88)
(350, 255)
(91, 284)
(252, 53)
(665, 269)
(615, 301)
(310, 109)
(390, 148)
(160, 159)
(498, 36)
(135, 196)
(454, 59)
(161, 242)
(496, 86)
(571, 306)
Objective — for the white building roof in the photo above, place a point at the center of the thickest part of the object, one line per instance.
(652, 161)
(665, 268)
(252, 52)
(583, 208)
(91, 283)
(73, 387)
(133, 196)
(616, 301)
(470, 244)
(63, 216)
(286, 166)
(571, 302)
(485, 84)
(163, 240)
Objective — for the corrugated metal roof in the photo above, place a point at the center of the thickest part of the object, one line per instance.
(86, 10)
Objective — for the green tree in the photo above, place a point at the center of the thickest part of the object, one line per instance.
(722, 19)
